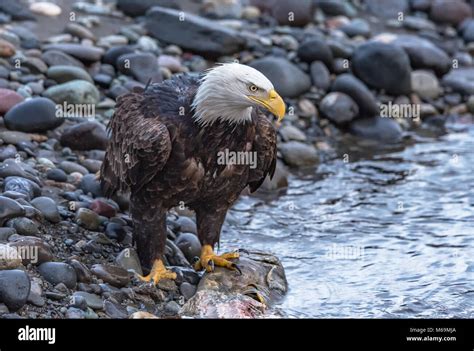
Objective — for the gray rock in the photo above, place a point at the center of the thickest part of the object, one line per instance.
(377, 128)
(47, 207)
(301, 11)
(74, 92)
(56, 174)
(339, 108)
(115, 231)
(388, 9)
(279, 180)
(5, 233)
(141, 66)
(172, 308)
(140, 7)
(58, 272)
(14, 288)
(461, 80)
(70, 167)
(350, 85)
(128, 259)
(90, 185)
(287, 78)
(86, 54)
(298, 154)
(115, 52)
(34, 115)
(114, 310)
(88, 219)
(16, 10)
(82, 272)
(315, 50)
(75, 313)
(225, 294)
(63, 74)
(383, 66)
(190, 245)
(186, 224)
(85, 136)
(187, 290)
(79, 301)
(357, 26)
(92, 300)
(24, 226)
(9, 208)
(422, 52)
(59, 58)
(425, 84)
(198, 34)
(114, 275)
(467, 30)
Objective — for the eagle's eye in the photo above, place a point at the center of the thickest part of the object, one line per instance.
(253, 88)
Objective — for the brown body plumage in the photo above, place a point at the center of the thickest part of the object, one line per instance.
(164, 158)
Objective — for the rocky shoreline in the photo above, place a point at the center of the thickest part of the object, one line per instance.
(374, 69)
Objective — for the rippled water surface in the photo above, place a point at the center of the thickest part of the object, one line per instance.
(389, 234)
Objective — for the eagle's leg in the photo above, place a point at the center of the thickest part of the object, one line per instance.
(149, 219)
(209, 220)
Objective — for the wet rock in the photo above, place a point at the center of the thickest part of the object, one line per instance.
(287, 78)
(199, 35)
(58, 272)
(92, 300)
(139, 7)
(9, 257)
(88, 219)
(9, 208)
(34, 115)
(47, 207)
(460, 80)
(128, 259)
(383, 66)
(350, 85)
(73, 92)
(142, 67)
(59, 58)
(14, 288)
(225, 294)
(8, 99)
(339, 108)
(115, 231)
(422, 53)
(425, 84)
(83, 53)
(35, 250)
(187, 290)
(388, 9)
(56, 174)
(449, 11)
(298, 154)
(114, 275)
(320, 75)
(315, 50)
(24, 226)
(90, 185)
(85, 136)
(190, 245)
(5, 233)
(115, 311)
(378, 128)
(63, 74)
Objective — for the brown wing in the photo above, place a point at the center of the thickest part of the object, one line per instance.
(138, 148)
(265, 147)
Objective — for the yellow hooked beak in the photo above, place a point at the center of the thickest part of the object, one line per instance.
(273, 103)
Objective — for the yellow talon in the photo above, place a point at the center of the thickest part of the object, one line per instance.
(158, 272)
(209, 260)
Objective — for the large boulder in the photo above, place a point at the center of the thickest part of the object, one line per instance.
(191, 32)
(383, 66)
(288, 79)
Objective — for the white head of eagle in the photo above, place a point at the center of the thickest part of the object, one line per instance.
(230, 91)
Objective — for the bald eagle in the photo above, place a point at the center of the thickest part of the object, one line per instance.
(166, 147)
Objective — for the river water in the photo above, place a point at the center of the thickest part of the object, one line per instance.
(389, 234)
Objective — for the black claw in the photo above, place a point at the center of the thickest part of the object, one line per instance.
(237, 268)
(211, 263)
(195, 260)
(244, 251)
